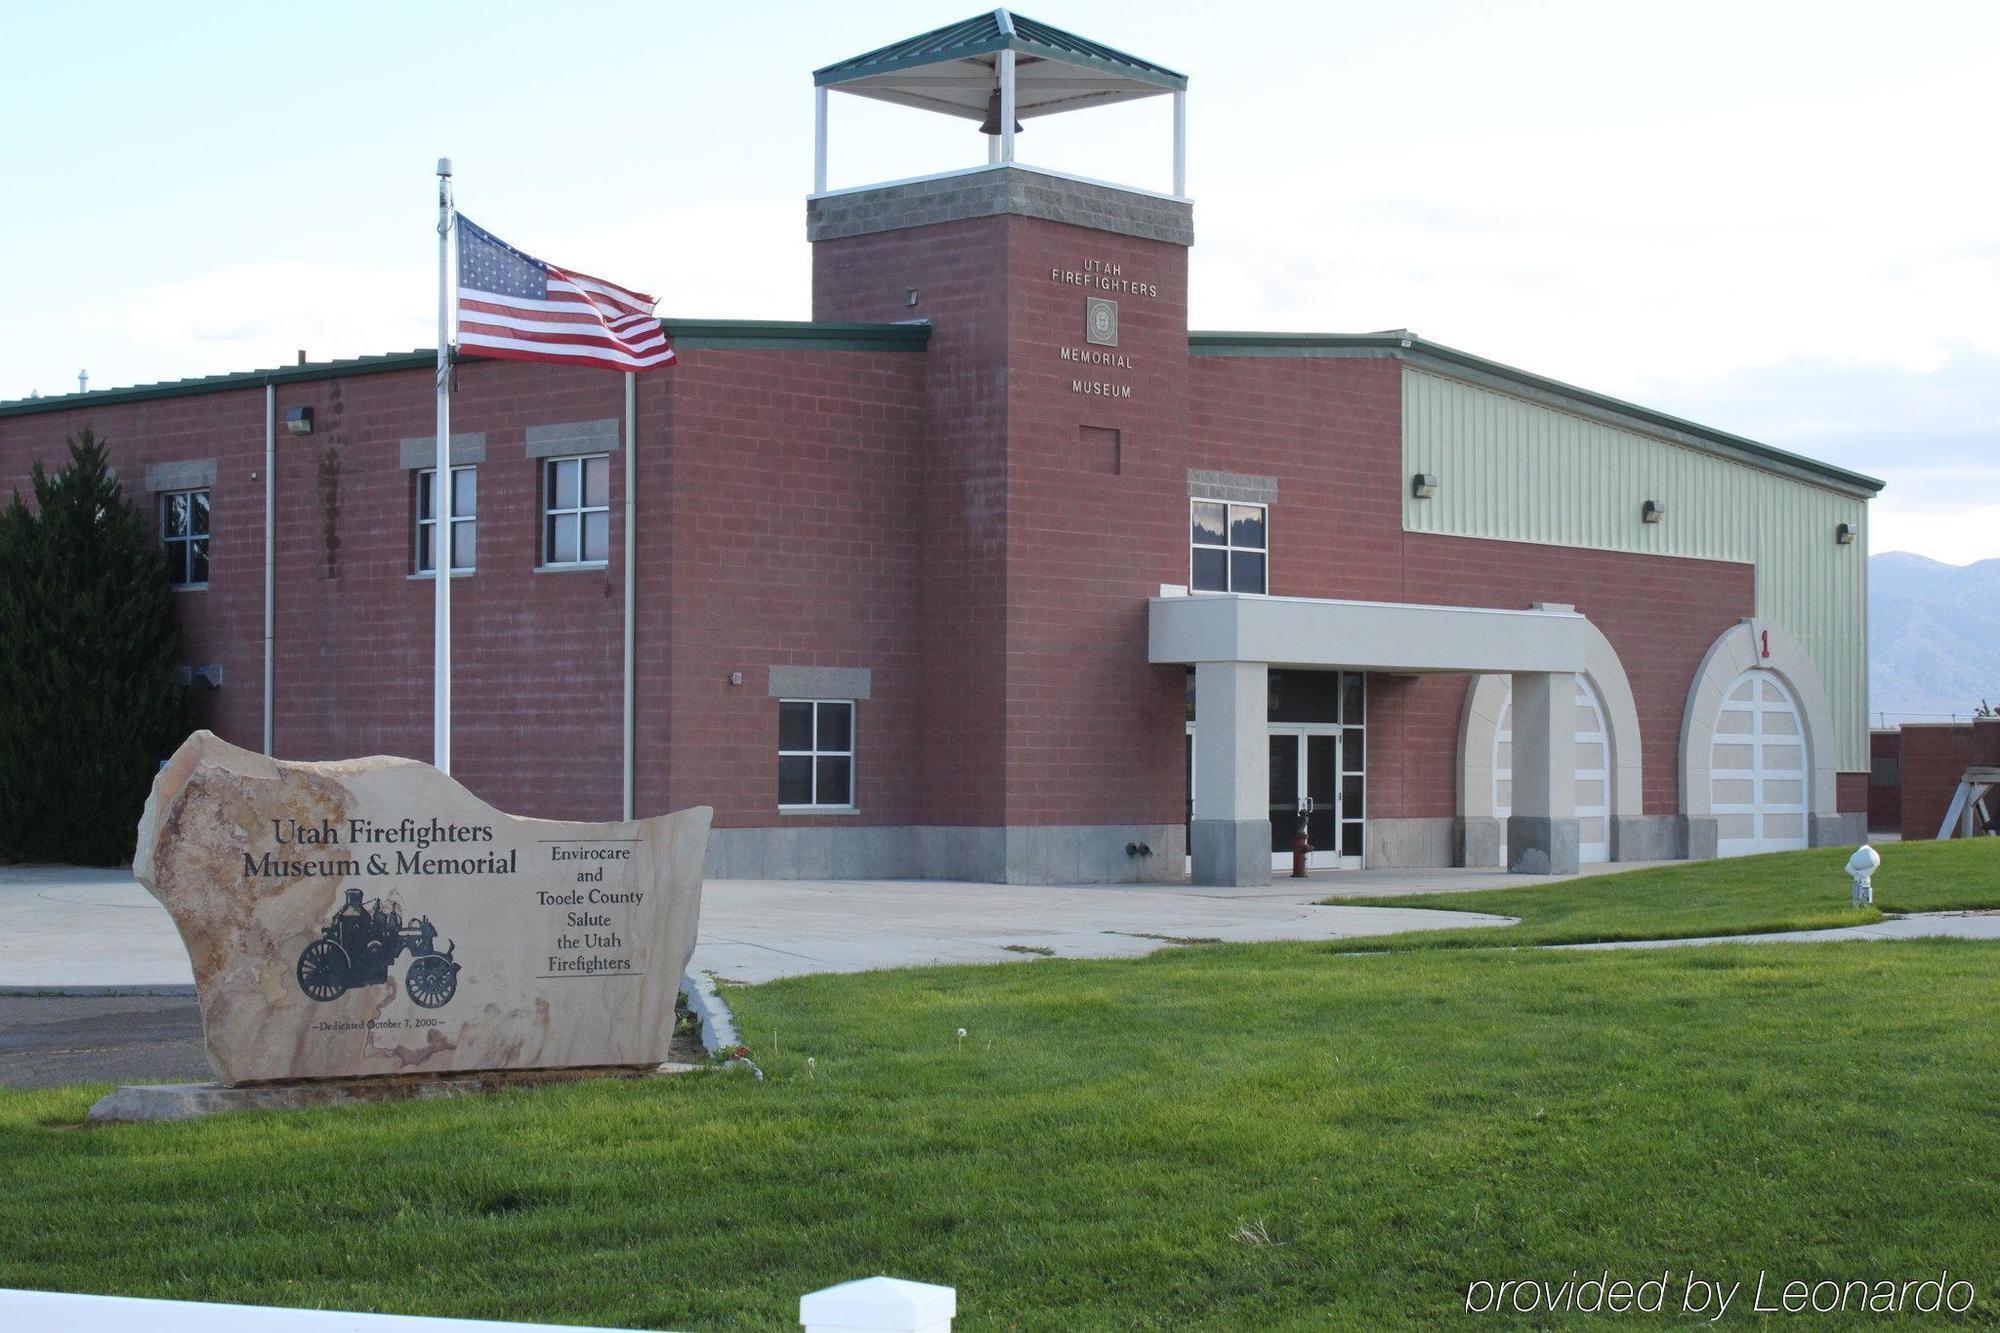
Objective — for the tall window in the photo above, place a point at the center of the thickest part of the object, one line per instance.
(1230, 547)
(815, 753)
(464, 519)
(184, 532)
(576, 509)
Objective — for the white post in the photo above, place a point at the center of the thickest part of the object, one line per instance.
(631, 566)
(1180, 143)
(1006, 106)
(270, 544)
(819, 147)
(441, 488)
(879, 1305)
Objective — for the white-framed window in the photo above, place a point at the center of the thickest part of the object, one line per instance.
(576, 510)
(815, 754)
(184, 533)
(464, 519)
(1230, 546)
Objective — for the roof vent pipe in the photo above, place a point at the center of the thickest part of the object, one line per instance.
(83, 381)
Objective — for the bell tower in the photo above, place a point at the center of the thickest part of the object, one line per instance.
(1056, 460)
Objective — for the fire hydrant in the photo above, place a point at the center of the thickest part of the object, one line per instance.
(1861, 868)
(1300, 846)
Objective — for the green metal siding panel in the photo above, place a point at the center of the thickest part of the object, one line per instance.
(1512, 470)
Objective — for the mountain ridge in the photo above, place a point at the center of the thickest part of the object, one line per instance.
(1933, 638)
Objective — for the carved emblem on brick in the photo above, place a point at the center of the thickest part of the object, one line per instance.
(1100, 321)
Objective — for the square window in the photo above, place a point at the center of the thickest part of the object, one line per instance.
(576, 510)
(816, 754)
(1210, 523)
(464, 519)
(1210, 571)
(1229, 547)
(184, 536)
(795, 779)
(795, 726)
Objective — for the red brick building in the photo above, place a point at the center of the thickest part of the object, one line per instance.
(995, 570)
(1918, 768)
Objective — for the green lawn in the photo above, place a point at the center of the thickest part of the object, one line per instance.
(1228, 1137)
(1743, 896)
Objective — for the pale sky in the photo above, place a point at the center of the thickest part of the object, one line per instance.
(1779, 219)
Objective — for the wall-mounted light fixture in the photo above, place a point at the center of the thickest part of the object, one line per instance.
(1424, 485)
(299, 420)
(1844, 533)
(1653, 511)
(910, 296)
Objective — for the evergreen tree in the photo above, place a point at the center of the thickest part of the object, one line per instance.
(90, 699)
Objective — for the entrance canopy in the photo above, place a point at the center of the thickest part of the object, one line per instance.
(1396, 637)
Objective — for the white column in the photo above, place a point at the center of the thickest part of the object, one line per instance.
(1006, 106)
(1542, 833)
(1231, 833)
(1180, 142)
(819, 141)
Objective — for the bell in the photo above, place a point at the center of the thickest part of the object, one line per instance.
(991, 125)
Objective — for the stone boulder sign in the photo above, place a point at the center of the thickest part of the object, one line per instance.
(372, 917)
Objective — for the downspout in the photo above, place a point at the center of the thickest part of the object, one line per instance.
(270, 545)
(631, 542)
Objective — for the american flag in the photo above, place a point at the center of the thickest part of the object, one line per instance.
(515, 306)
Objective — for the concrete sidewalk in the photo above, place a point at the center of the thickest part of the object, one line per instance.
(1916, 926)
(96, 931)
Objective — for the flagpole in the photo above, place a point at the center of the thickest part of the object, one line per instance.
(441, 487)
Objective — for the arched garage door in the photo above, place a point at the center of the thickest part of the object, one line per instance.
(1758, 768)
(1593, 774)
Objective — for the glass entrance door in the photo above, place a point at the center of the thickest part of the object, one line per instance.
(1305, 776)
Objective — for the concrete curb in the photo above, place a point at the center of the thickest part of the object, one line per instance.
(718, 1025)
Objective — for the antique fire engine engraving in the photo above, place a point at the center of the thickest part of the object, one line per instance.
(361, 944)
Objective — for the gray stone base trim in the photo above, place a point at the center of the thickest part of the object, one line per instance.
(1539, 845)
(1848, 830)
(1699, 837)
(1479, 841)
(1030, 854)
(1095, 853)
(989, 191)
(1400, 843)
(1233, 853)
(1648, 838)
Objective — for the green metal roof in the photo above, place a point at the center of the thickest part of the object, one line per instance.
(1407, 346)
(687, 335)
(241, 379)
(1054, 70)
